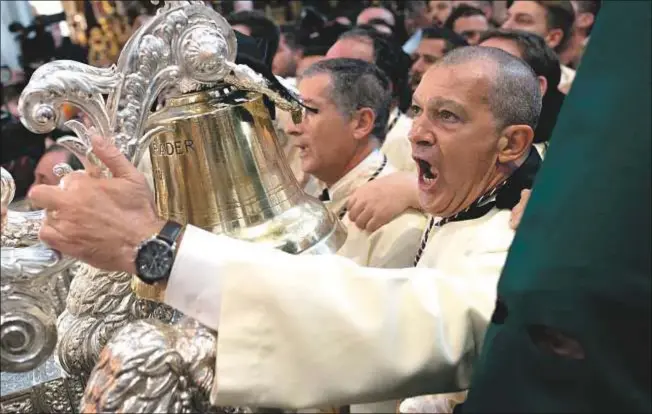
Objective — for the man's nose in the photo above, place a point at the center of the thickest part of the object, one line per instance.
(293, 129)
(507, 25)
(419, 134)
(417, 66)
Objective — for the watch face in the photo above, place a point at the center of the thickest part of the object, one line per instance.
(154, 261)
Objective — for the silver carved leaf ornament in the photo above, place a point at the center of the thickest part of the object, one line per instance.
(152, 367)
(28, 305)
(185, 46)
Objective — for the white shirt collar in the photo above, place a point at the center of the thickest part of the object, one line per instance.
(358, 176)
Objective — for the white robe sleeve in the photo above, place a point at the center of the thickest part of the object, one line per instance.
(311, 331)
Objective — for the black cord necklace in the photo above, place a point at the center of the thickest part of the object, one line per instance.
(486, 201)
(345, 209)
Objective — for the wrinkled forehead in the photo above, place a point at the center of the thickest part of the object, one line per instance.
(467, 83)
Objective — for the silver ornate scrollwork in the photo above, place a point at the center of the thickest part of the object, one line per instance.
(18, 229)
(61, 82)
(28, 330)
(28, 297)
(186, 47)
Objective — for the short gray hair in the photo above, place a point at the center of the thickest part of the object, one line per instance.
(356, 84)
(514, 94)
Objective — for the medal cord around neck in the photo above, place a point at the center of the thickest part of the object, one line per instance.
(486, 200)
(393, 121)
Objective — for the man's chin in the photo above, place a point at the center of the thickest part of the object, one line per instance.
(432, 204)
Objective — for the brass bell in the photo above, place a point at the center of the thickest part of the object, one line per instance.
(218, 165)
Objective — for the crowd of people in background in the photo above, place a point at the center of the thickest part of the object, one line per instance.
(403, 43)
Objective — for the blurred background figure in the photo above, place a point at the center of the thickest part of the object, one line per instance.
(468, 22)
(435, 42)
(486, 6)
(254, 23)
(416, 17)
(552, 20)
(373, 47)
(65, 49)
(380, 18)
(543, 60)
(243, 5)
(288, 54)
(53, 155)
(20, 148)
(439, 11)
(316, 36)
(586, 12)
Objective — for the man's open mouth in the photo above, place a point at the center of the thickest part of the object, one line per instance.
(426, 173)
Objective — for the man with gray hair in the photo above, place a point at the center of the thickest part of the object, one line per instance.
(339, 144)
(311, 331)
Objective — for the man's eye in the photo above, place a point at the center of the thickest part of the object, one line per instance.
(413, 111)
(308, 112)
(523, 20)
(448, 116)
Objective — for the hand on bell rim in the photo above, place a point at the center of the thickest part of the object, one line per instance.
(100, 221)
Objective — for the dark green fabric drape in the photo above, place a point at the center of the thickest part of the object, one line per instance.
(580, 262)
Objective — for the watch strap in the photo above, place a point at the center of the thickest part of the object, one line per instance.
(170, 232)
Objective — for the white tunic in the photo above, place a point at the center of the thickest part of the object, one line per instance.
(391, 246)
(397, 147)
(290, 326)
(567, 78)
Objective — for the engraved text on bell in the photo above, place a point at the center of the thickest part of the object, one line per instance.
(171, 148)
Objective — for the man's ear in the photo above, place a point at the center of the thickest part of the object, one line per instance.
(514, 143)
(363, 123)
(554, 37)
(543, 84)
(584, 20)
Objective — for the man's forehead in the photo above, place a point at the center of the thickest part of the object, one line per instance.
(434, 46)
(354, 48)
(529, 7)
(315, 88)
(55, 156)
(464, 82)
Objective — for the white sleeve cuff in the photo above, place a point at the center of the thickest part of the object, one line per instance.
(194, 286)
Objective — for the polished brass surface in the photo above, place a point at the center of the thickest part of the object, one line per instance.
(218, 165)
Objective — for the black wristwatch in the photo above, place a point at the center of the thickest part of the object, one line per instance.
(155, 255)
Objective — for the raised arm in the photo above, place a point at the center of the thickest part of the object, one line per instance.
(380, 201)
(290, 326)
